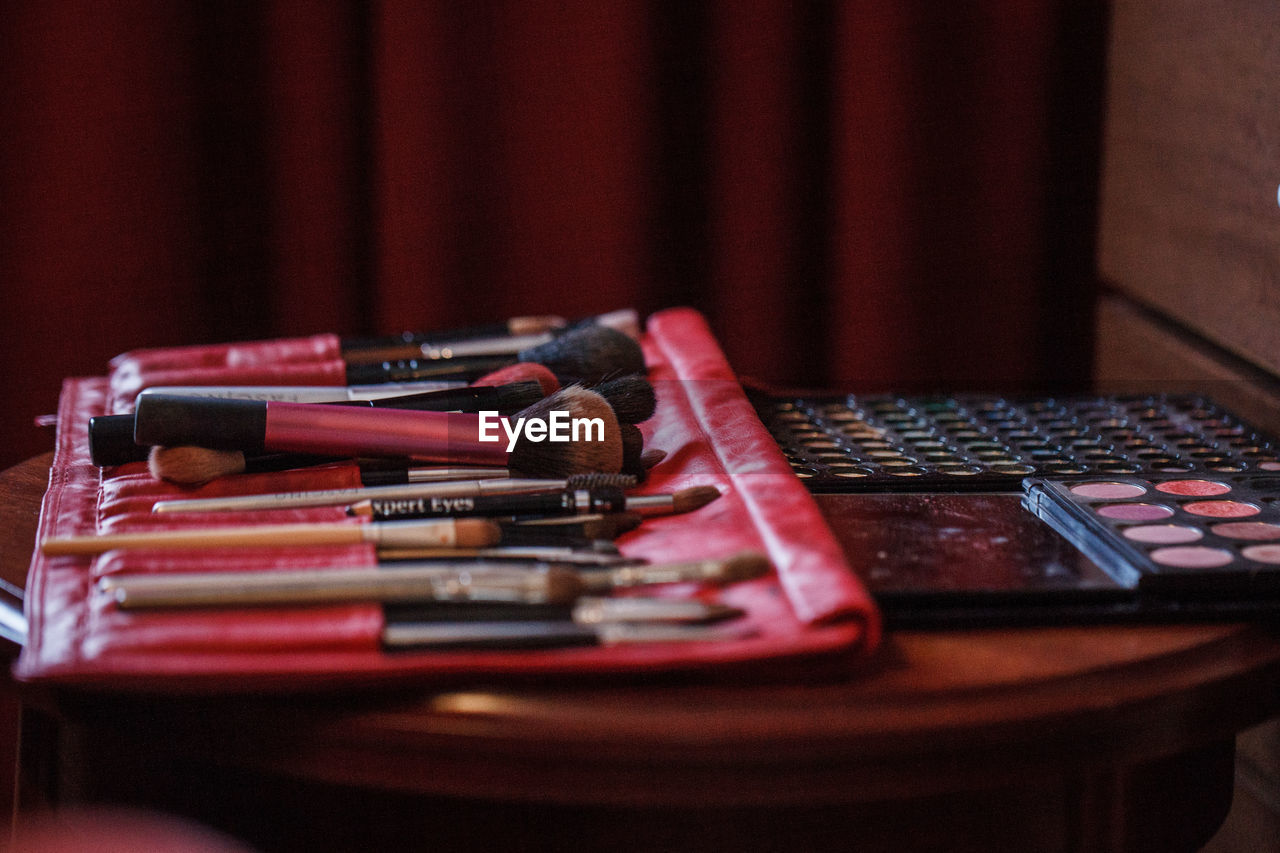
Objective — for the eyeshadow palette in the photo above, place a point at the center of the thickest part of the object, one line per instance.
(1211, 537)
(987, 443)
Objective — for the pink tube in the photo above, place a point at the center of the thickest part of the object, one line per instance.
(447, 437)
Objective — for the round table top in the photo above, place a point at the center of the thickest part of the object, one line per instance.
(930, 712)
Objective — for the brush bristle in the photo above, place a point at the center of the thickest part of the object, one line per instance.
(598, 480)
(744, 566)
(193, 465)
(632, 398)
(695, 497)
(632, 447)
(561, 460)
(536, 324)
(524, 371)
(514, 396)
(591, 354)
(651, 457)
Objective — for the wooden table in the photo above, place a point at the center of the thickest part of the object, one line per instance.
(1100, 738)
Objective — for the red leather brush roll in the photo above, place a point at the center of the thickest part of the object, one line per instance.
(812, 607)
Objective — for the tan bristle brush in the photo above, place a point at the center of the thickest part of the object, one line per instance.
(462, 533)
(255, 426)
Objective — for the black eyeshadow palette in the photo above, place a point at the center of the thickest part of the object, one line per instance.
(1201, 537)
(987, 443)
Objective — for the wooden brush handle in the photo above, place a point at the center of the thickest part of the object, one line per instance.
(271, 535)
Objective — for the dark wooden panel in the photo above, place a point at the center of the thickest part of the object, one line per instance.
(1137, 351)
(1189, 216)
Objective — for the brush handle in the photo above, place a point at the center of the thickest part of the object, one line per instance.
(399, 584)
(514, 326)
(338, 497)
(254, 426)
(272, 535)
(396, 534)
(415, 370)
(564, 502)
(445, 350)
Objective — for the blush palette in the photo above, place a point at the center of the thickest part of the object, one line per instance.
(1214, 536)
(985, 443)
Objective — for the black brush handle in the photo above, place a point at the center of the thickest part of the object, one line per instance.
(200, 421)
(567, 502)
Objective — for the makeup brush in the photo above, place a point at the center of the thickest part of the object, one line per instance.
(340, 497)
(111, 437)
(189, 466)
(603, 526)
(565, 553)
(521, 371)
(745, 565)
(442, 636)
(434, 347)
(566, 502)
(632, 447)
(651, 457)
(192, 465)
(586, 610)
(590, 354)
(513, 327)
(559, 554)
(474, 581)
(394, 534)
(632, 398)
(448, 437)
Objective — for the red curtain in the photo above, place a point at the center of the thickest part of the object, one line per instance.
(861, 194)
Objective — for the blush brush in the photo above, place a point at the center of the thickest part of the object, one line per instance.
(111, 437)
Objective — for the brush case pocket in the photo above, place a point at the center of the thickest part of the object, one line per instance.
(811, 609)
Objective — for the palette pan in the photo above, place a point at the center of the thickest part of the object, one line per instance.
(1211, 535)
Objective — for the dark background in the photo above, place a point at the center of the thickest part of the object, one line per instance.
(895, 195)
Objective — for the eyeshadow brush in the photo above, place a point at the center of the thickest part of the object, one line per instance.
(446, 437)
(339, 497)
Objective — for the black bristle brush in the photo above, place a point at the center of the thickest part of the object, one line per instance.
(632, 398)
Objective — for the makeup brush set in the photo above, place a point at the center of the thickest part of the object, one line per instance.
(328, 511)
(978, 509)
